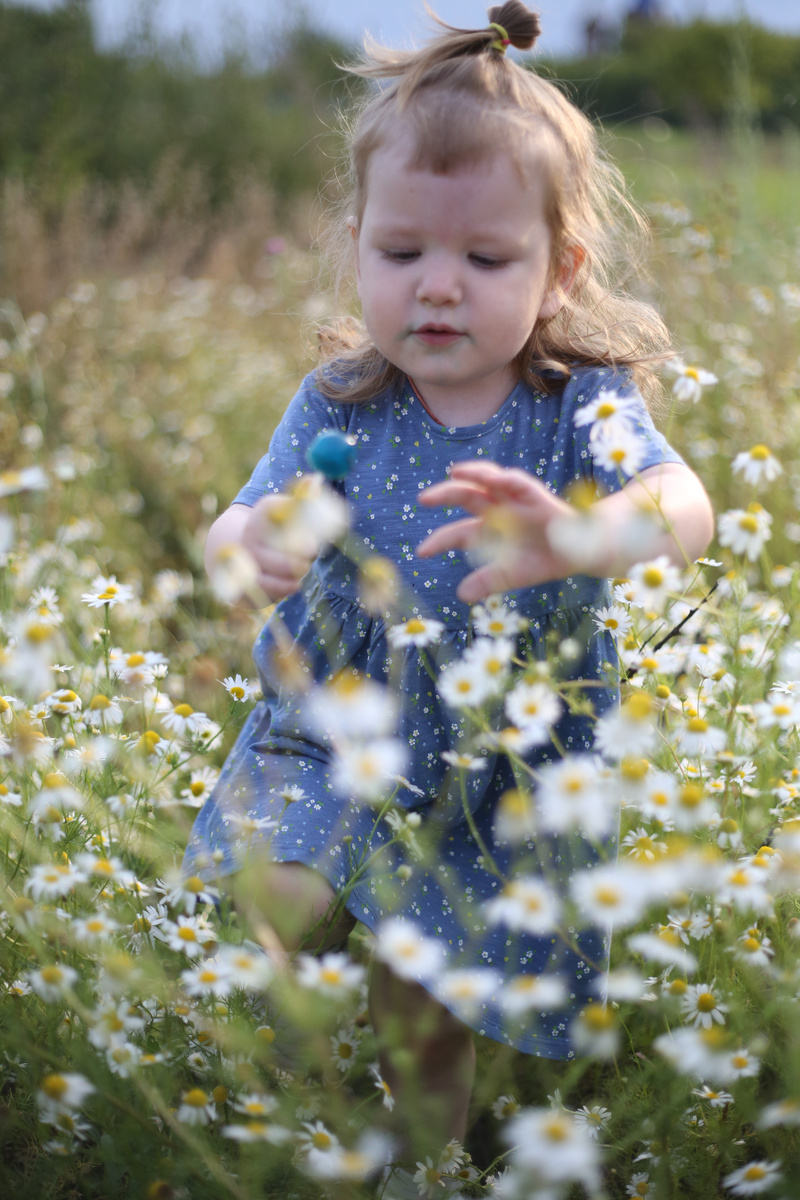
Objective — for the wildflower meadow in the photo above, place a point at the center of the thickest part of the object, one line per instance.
(149, 1047)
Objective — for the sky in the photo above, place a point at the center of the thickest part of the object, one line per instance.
(212, 23)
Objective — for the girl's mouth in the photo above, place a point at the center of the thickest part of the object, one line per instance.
(437, 335)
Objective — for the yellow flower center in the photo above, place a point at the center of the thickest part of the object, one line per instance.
(184, 710)
(706, 1002)
(54, 1086)
(760, 452)
(748, 523)
(195, 1098)
(100, 702)
(652, 577)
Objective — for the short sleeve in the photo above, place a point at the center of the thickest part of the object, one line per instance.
(580, 392)
(307, 415)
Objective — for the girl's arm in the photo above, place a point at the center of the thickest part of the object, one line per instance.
(279, 574)
(531, 536)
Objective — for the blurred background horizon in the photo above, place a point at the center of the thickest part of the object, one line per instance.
(190, 134)
(209, 28)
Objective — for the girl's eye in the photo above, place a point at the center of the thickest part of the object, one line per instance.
(400, 256)
(486, 261)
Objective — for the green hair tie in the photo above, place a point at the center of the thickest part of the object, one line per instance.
(503, 41)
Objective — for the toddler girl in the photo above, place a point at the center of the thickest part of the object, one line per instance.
(494, 352)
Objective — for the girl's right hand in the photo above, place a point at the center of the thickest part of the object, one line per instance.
(279, 572)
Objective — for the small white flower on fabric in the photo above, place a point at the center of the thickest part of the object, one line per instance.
(553, 1147)
(526, 903)
(690, 381)
(403, 947)
(368, 772)
(757, 465)
(417, 631)
(756, 1177)
(334, 974)
(544, 993)
(745, 531)
(534, 708)
(573, 796)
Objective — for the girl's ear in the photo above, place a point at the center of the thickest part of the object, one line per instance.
(352, 225)
(569, 263)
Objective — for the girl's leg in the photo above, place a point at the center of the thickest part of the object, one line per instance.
(427, 1057)
(290, 906)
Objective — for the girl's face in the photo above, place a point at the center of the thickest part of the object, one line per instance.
(453, 273)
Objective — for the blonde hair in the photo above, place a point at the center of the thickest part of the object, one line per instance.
(464, 102)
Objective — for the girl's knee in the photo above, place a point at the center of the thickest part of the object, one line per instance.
(294, 901)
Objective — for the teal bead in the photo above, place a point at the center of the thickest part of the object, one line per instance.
(332, 454)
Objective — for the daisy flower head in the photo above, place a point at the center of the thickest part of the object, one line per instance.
(233, 573)
(515, 817)
(535, 709)
(504, 1107)
(491, 657)
(52, 981)
(344, 1049)
(240, 690)
(196, 1108)
(714, 1098)
(525, 903)
(183, 720)
(573, 797)
(615, 619)
(540, 993)
(334, 974)
(621, 452)
(465, 989)
(654, 582)
(701, 1005)
(63, 1092)
(608, 414)
(383, 1087)
(103, 712)
(689, 381)
(639, 1185)
(497, 620)
(464, 685)
(368, 772)
(201, 783)
(593, 1118)
(596, 1031)
(416, 631)
(745, 531)
(106, 590)
(351, 706)
(553, 1147)
(630, 730)
(756, 1177)
(404, 948)
(757, 465)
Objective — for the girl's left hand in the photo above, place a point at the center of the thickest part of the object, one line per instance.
(509, 528)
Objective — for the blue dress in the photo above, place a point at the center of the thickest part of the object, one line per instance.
(401, 449)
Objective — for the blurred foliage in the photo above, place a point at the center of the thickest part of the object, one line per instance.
(69, 113)
(698, 75)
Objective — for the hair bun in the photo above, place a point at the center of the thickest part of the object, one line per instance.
(521, 25)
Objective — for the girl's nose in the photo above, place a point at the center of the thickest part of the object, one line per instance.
(440, 283)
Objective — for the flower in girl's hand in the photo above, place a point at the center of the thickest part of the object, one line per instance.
(305, 518)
